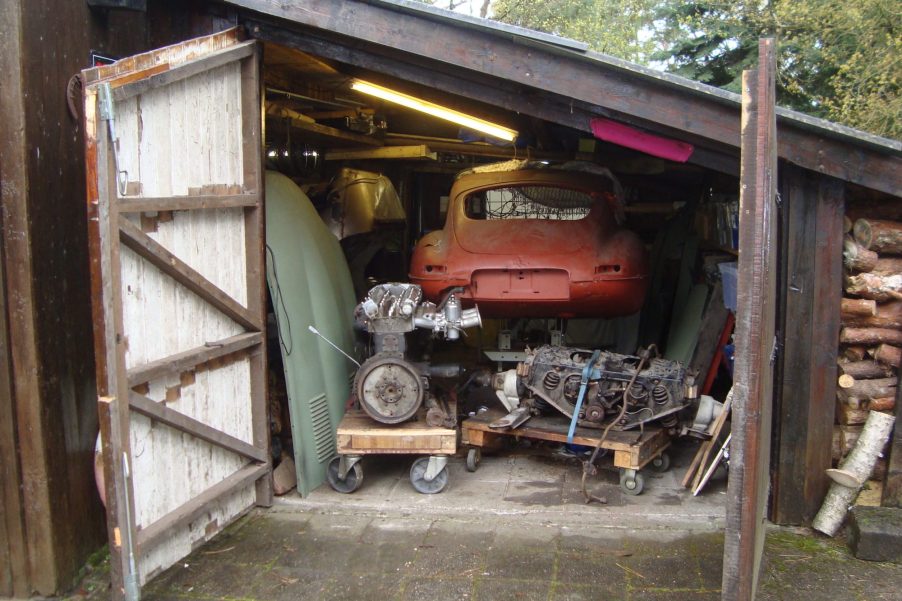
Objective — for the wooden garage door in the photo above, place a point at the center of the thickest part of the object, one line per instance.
(173, 147)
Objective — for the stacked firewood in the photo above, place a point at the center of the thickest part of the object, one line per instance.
(871, 335)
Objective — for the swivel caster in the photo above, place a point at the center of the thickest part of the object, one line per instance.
(353, 474)
(631, 482)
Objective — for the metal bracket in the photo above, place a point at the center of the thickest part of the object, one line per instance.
(106, 109)
(436, 464)
(346, 463)
(775, 350)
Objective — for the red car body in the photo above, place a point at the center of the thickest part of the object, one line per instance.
(534, 267)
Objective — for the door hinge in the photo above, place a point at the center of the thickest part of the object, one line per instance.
(775, 350)
(106, 109)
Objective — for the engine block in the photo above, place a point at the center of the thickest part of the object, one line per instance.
(552, 376)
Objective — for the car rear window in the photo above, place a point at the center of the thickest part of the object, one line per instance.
(529, 202)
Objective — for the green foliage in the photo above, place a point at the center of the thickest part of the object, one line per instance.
(840, 60)
(609, 26)
(837, 60)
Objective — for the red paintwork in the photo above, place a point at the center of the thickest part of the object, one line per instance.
(534, 267)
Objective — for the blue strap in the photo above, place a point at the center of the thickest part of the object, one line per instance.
(583, 383)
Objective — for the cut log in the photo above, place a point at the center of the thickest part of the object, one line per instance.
(869, 389)
(845, 381)
(844, 438)
(863, 370)
(886, 315)
(875, 286)
(846, 225)
(856, 258)
(888, 266)
(884, 404)
(888, 355)
(870, 336)
(849, 415)
(853, 472)
(858, 307)
(879, 235)
(854, 353)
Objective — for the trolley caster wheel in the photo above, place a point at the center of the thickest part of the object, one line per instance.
(474, 456)
(418, 476)
(631, 484)
(352, 480)
(661, 463)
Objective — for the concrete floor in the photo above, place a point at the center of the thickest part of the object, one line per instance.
(516, 529)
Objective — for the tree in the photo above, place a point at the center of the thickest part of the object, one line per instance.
(609, 26)
(837, 60)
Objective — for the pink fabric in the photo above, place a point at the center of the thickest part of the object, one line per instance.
(624, 135)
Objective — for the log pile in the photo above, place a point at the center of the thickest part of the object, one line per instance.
(871, 336)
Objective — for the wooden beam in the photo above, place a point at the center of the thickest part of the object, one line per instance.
(172, 418)
(755, 316)
(186, 203)
(420, 152)
(553, 107)
(154, 533)
(132, 236)
(176, 364)
(119, 491)
(812, 274)
(480, 149)
(304, 123)
(123, 91)
(892, 484)
(252, 149)
(609, 84)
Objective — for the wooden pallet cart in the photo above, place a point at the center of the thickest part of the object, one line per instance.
(360, 435)
(633, 450)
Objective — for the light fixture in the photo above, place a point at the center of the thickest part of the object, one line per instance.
(435, 110)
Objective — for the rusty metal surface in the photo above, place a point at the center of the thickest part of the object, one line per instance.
(755, 339)
(541, 267)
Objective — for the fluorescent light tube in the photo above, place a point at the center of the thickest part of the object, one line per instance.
(435, 110)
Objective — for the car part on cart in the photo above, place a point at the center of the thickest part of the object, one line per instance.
(389, 387)
(525, 240)
(598, 386)
(708, 411)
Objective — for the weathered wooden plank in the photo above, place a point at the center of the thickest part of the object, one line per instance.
(168, 263)
(186, 203)
(172, 418)
(103, 240)
(122, 91)
(18, 353)
(892, 483)
(755, 316)
(419, 152)
(175, 54)
(673, 103)
(13, 552)
(252, 149)
(160, 529)
(330, 132)
(176, 364)
(813, 272)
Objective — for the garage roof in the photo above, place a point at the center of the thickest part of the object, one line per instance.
(559, 80)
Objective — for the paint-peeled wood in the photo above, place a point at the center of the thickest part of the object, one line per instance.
(173, 141)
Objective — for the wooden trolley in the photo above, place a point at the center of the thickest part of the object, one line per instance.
(359, 435)
(633, 450)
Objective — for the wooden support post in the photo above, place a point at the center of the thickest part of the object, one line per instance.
(755, 316)
(892, 484)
